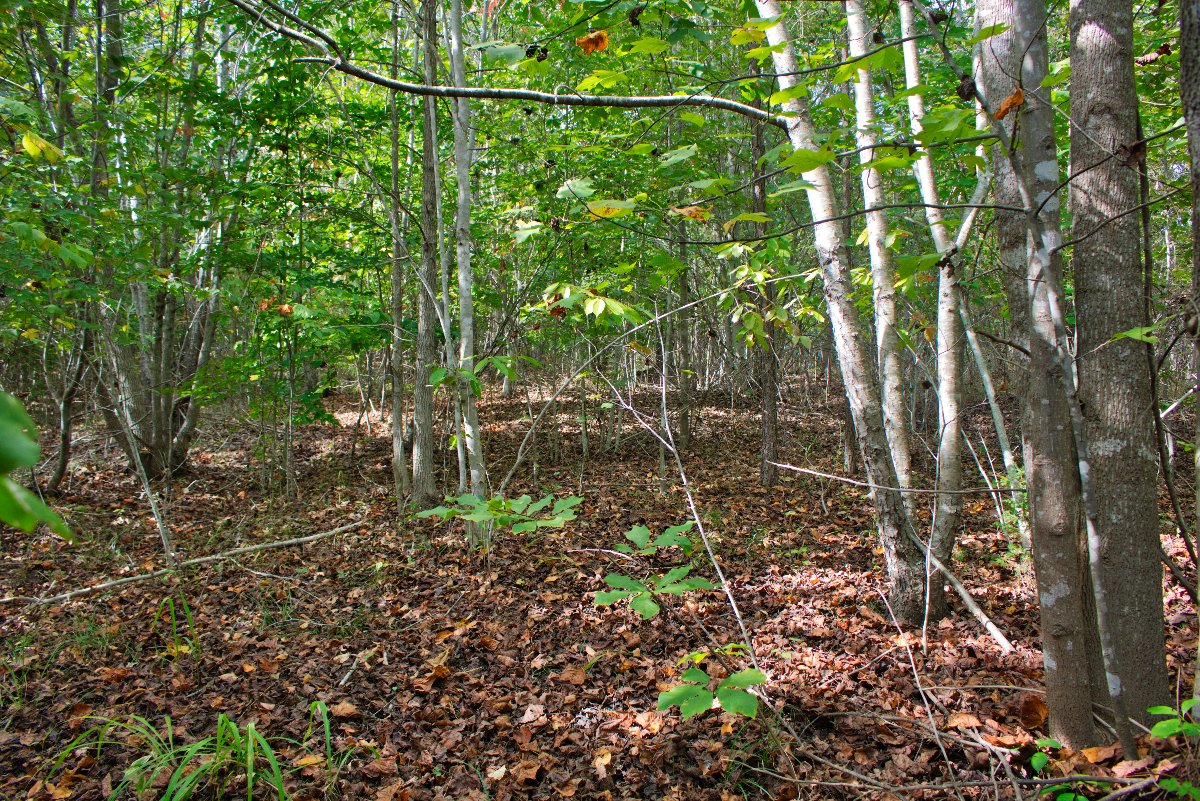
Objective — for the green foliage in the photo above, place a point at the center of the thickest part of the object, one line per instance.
(19, 507)
(179, 628)
(521, 514)
(1179, 721)
(693, 697)
(641, 594)
(231, 760)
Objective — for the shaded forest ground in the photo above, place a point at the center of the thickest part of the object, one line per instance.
(451, 675)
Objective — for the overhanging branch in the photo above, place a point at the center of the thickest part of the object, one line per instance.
(319, 40)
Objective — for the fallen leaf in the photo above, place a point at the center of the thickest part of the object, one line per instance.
(963, 720)
(308, 759)
(601, 762)
(1127, 767)
(1015, 100)
(1100, 753)
(343, 709)
(497, 773)
(1032, 711)
(573, 674)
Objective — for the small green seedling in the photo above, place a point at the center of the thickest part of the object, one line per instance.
(694, 697)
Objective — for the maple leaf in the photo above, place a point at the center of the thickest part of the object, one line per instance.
(1015, 100)
(593, 42)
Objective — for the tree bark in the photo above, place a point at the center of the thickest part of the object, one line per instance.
(948, 507)
(1016, 58)
(889, 356)
(424, 492)
(902, 557)
(1114, 387)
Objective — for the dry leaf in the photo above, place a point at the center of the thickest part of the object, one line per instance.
(393, 792)
(1032, 711)
(963, 720)
(308, 759)
(593, 42)
(696, 213)
(601, 762)
(1015, 100)
(497, 774)
(573, 674)
(1127, 767)
(343, 709)
(1100, 753)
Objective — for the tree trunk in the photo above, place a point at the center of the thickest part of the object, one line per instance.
(1050, 452)
(889, 356)
(948, 508)
(464, 141)
(400, 478)
(1114, 386)
(902, 556)
(424, 490)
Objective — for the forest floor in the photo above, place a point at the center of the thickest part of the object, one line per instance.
(449, 674)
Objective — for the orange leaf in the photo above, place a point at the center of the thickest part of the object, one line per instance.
(593, 42)
(1015, 100)
(343, 709)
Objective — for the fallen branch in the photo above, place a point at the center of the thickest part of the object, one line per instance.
(199, 560)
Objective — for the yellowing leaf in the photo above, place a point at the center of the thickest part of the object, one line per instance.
(750, 216)
(37, 147)
(610, 209)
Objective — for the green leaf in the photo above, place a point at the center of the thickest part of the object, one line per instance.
(803, 160)
(22, 509)
(1142, 334)
(576, 188)
(693, 118)
(645, 605)
(1164, 710)
(609, 597)
(792, 186)
(1038, 761)
(1167, 728)
(523, 526)
(639, 536)
(675, 574)
(648, 45)
(678, 154)
(625, 583)
(737, 702)
(690, 698)
(988, 33)
(695, 674)
(745, 678)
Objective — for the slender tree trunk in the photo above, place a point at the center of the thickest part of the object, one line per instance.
(948, 509)
(1189, 90)
(464, 141)
(889, 355)
(902, 556)
(400, 478)
(765, 351)
(424, 490)
(1114, 387)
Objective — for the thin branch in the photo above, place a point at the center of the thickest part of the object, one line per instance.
(200, 560)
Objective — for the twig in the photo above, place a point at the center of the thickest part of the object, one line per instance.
(200, 560)
(869, 485)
